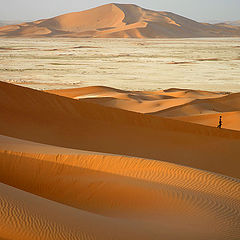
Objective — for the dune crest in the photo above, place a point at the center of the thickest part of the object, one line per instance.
(56, 120)
(119, 21)
(187, 105)
(161, 199)
(74, 169)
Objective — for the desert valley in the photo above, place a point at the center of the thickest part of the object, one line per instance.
(109, 138)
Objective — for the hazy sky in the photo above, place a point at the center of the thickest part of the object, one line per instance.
(200, 10)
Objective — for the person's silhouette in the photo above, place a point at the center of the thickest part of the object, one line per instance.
(220, 122)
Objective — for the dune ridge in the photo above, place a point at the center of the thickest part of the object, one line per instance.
(138, 101)
(229, 103)
(25, 216)
(156, 191)
(74, 166)
(60, 121)
(187, 105)
(231, 120)
(119, 21)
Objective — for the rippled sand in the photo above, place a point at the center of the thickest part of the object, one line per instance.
(207, 64)
(74, 169)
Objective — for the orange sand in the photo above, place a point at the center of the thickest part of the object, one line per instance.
(194, 106)
(73, 169)
(119, 21)
(60, 121)
(114, 197)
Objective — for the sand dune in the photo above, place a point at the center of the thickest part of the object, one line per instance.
(65, 122)
(134, 198)
(119, 21)
(195, 106)
(73, 168)
(136, 101)
(233, 23)
(231, 120)
(25, 216)
(19, 145)
(229, 103)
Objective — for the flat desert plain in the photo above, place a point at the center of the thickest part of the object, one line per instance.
(110, 142)
(130, 64)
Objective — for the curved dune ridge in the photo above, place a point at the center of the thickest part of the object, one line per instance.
(231, 120)
(227, 103)
(56, 120)
(114, 197)
(24, 216)
(194, 106)
(19, 145)
(73, 168)
(60, 121)
(119, 21)
(138, 101)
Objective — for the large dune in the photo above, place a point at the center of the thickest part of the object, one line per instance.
(73, 169)
(136, 101)
(227, 103)
(195, 106)
(113, 197)
(119, 21)
(233, 23)
(60, 121)
(231, 120)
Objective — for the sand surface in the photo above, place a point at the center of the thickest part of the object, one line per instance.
(114, 198)
(119, 21)
(94, 163)
(202, 107)
(129, 64)
(70, 123)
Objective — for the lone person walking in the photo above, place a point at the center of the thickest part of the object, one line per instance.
(220, 123)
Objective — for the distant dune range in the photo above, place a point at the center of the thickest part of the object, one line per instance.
(119, 21)
(233, 23)
(183, 104)
(75, 166)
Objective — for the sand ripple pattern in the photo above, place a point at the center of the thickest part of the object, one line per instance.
(139, 196)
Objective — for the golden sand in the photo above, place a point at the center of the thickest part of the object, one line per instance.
(76, 167)
(119, 21)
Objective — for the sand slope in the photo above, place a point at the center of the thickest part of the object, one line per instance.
(233, 23)
(19, 145)
(195, 106)
(227, 103)
(136, 101)
(114, 197)
(54, 186)
(25, 216)
(65, 122)
(118, 21)
(231, 120)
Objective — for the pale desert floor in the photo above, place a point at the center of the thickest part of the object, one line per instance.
(104, 163)
(130, 64)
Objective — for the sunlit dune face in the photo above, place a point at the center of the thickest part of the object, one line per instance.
(75, 166)
(124, 20)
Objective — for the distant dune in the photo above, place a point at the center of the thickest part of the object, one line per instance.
(195, 106)
(119, 21)
(138, 101)
(233, 23)
(5, 23)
